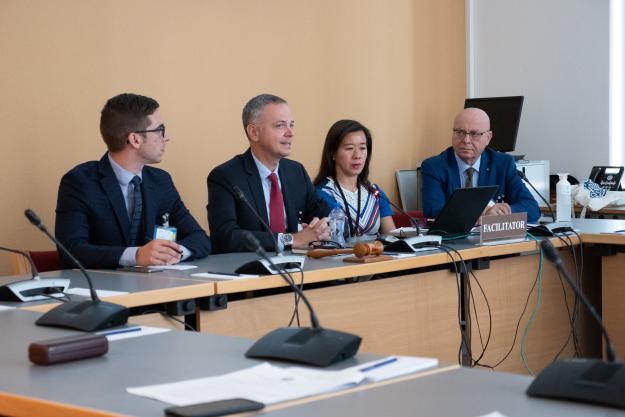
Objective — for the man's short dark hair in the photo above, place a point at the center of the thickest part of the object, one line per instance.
(122, 115)
(254, 107)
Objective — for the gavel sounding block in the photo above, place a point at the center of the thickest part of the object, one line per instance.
(368, 259)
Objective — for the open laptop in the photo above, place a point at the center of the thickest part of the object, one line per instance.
(462, 210)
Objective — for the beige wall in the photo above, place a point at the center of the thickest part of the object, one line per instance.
(397, 65)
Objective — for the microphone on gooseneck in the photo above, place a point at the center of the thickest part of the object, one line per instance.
(378, 195)
(524, 178)
(238, 194)
(32, 289)
(80, 315)
(588, 380)
(313, 345)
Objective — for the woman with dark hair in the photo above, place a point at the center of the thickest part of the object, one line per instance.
(343, 181)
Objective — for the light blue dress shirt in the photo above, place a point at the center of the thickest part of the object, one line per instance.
(129, 256)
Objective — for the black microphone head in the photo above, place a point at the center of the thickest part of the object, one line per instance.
(32, 217)
(520, 173)
(372, 189)
(238, 193)
(250, 241)
(549, 251)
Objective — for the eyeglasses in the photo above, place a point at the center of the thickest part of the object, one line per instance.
(461, 134)
(161, 129)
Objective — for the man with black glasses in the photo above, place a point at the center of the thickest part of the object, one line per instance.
(119, 212)
(469, 163)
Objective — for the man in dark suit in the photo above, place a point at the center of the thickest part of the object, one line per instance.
(119, 212)
(279, 190)
(467, 163)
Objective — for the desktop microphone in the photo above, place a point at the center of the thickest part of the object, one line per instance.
(261, 267)
(88, 315)
(378, 195)
(33, 289)
(309, 345)
(524, 178)
(581, 379)
(411, 244)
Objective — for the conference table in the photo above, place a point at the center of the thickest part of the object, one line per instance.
(411, 306)
(96, 387)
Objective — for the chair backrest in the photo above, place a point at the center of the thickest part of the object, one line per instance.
(407, 186)
(401, 220)
(43, 260)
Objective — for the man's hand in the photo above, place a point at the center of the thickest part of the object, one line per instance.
(317, 229)
(498, 209)
(159, 252)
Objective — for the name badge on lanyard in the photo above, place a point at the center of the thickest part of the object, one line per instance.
(165, 232)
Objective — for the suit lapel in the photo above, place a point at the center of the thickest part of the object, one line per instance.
(150, 192)
(255, 185)
(111, 188)
(291, 215)
(485, 168)
(454, 175)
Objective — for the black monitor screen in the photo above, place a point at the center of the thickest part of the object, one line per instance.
(505, 115)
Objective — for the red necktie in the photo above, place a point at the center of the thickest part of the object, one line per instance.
(276, 206)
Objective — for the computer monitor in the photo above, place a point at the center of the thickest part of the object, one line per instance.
(505, 115)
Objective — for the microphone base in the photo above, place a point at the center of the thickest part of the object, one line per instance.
(310, 346)
(290, 263)
(584, 380)
(33, 289)
(415, 244)
(87, 315)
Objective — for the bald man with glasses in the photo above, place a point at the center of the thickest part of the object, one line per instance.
(468, 162)
(119, 211)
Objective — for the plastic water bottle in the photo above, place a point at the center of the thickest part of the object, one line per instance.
(336, 219)
(563, 199)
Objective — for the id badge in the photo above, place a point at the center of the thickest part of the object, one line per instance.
(165, 233)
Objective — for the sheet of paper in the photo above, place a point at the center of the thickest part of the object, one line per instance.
(131, 331)
(264, 383)
(6, 308)
(217, 275)
(398, 255)
(173, 267)
(101, 293)
(392, 367)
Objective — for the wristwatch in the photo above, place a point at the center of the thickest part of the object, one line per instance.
(287, 240)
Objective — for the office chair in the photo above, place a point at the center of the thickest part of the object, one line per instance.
(43, 260)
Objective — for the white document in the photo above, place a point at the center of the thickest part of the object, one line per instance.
(264, 383)
(173, 267)
(270, 384)
(393, 366)
(101, 293)
(131, 331)
(6, 308)
(223, 276)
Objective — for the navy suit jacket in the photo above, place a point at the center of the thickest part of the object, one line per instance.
(440, 177)
(93, 223)
(228, 217)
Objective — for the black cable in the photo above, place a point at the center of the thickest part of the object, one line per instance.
(518, 324)
(463, 341)
(64, 299)
(576, 303)
(490, 323)
(163, 313)
(295, 314)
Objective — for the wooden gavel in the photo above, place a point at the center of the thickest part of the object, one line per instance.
(360, 250)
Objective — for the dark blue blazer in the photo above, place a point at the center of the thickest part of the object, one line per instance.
(439, 176)
(228, 217)
(92, 220)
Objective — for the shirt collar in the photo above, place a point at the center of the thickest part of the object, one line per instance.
(262, 169)
(123, 175)
(462, 166)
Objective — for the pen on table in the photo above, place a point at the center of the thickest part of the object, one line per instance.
(615, 231)
(120, 331)
(379, 364)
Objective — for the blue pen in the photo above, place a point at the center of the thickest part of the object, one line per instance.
(120, 331)
(379, 364)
